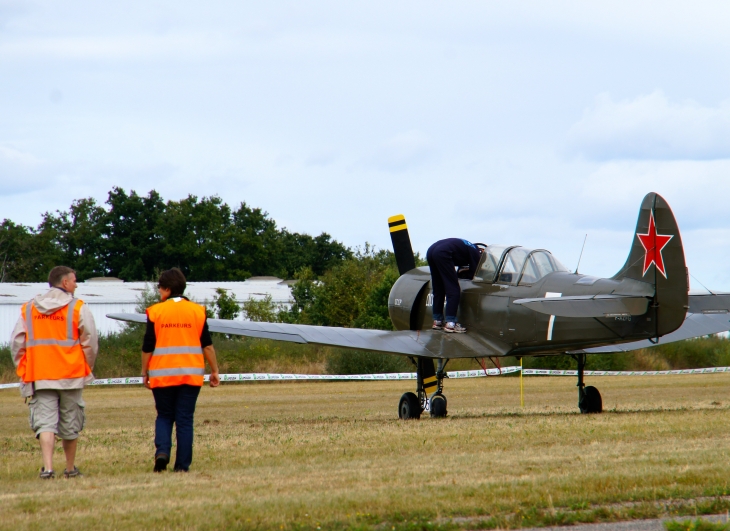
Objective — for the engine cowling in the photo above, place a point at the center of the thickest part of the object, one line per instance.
(407, 299)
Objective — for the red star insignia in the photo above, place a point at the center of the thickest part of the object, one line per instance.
(653, 244)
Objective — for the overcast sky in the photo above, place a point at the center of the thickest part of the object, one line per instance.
(529, 123)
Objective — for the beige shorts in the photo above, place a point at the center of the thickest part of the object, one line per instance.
(58, 411)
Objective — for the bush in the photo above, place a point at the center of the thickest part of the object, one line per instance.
(709, 351)
(344, 361)
(696, 525)
(224, 306)
(120, 353)
(262, 311)
(7, 369)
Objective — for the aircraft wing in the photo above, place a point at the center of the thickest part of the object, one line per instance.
(708, 314)
(416, 343)
(588, 305)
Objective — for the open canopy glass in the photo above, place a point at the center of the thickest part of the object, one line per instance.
(516, 265)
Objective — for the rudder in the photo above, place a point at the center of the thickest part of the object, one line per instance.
(657, 257)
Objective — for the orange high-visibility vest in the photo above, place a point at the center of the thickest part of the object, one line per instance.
(178, 356)
(52, 348)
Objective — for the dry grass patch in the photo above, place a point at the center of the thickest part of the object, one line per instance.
(334, 455)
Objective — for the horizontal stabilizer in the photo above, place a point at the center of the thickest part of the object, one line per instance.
(708, 314)
(426, 344)
(588, 305)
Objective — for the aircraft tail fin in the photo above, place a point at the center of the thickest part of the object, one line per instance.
(657, 257)
(401, 243)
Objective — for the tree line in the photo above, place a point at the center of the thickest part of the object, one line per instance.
(134, 237)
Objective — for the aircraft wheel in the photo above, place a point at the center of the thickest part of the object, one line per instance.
(592, 402)
(409, 407)
(438, 405)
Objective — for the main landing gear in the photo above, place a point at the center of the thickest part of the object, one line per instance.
(429, 380)
(589, 399)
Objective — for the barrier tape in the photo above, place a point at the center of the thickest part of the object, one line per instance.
(476, 373)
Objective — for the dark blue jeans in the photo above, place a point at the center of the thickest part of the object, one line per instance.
(175, 405)
(444, 284)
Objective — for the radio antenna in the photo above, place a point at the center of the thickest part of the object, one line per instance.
(581, 254)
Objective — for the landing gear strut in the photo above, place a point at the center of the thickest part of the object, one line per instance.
(438, 400)
(429, 380)
(589, 399)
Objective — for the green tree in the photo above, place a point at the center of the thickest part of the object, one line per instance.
(195, 237)
(224, 305)
(146, 298)
(24, 257)
(261, 311)
(133, 236)
(303, 294)
(319, 253)
(132, 241)
(76, 236)
(374, 313)
(353, 293)
(255, 244)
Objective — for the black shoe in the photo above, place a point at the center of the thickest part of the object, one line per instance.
(75, 473)
(161, 461)
(46, 474)
(179, 469)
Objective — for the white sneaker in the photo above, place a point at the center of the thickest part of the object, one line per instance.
(454, 328)
(438, 325)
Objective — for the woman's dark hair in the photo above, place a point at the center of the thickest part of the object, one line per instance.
(174, 280)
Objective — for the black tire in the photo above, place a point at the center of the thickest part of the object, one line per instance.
(592, 402)
(438, 405)
(409, 407)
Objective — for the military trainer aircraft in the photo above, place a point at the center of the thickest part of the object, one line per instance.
(524, 302)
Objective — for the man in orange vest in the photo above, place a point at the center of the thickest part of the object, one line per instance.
(54, 347)
(176, 345)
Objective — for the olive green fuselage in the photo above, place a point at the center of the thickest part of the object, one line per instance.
(488, 311)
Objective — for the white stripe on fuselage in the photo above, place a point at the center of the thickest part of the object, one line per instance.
(551, 322)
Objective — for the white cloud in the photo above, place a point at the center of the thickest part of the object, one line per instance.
(321, 157)
(651, 127)
(402, 152)
(123, 47)
(333, 116)
(20, 171)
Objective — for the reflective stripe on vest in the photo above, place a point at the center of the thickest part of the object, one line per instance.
(68, 342)
(59, 356)
(178, 356)
(177, 350)
(179, 371)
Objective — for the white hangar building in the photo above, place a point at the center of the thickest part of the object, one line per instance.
(110, 295)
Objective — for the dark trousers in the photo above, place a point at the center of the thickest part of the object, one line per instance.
(175, 405)
(444, 283)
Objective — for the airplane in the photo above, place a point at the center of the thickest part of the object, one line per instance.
(524, 302)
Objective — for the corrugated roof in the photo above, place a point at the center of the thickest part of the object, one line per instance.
(109, 291)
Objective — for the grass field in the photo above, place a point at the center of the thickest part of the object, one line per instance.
(335, 456)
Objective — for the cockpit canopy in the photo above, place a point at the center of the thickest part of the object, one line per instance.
(516, 265)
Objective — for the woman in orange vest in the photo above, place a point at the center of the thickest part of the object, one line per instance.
(176, 345)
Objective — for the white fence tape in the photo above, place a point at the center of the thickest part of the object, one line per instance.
(547, 372)
(478, 373)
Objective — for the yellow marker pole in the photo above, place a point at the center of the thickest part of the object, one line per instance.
(522, 388)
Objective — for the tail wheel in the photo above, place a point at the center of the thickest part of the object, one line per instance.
(438, 405)
(409, 407)
(591, 401)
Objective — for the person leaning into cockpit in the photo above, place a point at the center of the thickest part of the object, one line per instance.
(443, 258)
